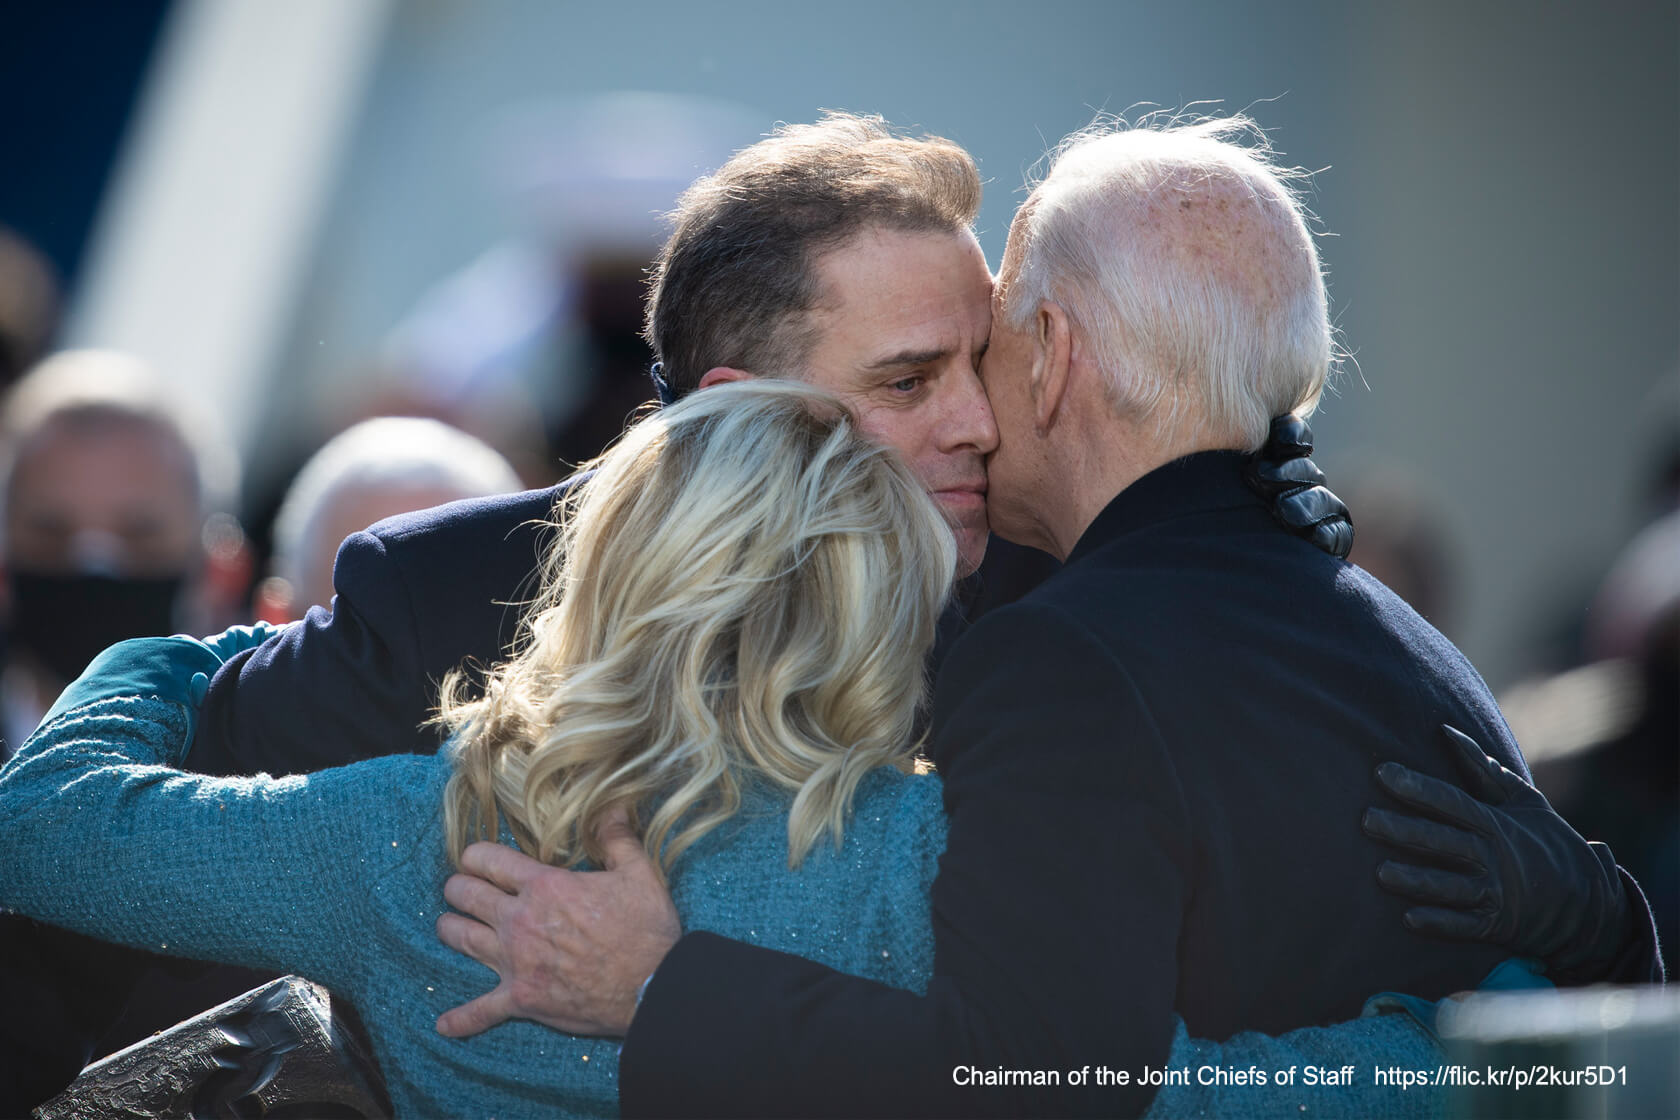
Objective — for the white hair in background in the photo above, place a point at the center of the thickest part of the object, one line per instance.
(1179, 332)
(392, 453)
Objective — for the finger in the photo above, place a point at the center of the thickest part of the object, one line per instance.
(472, 895)
(1441, 888)
(1455, 925)
(1428, 837)
(1334, 537)
(620, 846)
(1435, 798)
(1482, 772)
(475, 939)
(508, 869)
(477, 1015)
(1308, 507)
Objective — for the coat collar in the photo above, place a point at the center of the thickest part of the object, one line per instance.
(1199, 483)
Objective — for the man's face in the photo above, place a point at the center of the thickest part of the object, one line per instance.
(902, 323)
(106, 498)
(1006, 374)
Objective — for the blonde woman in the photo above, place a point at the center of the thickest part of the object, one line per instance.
(729, 647)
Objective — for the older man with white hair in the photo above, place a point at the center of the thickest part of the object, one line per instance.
(370, 471)
(1150, 762)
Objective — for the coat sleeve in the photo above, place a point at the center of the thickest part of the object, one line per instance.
(341, 686)
(1056, 914)
(105, 837)
(418, 595)
(1640, 960)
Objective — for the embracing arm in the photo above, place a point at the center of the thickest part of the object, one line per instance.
(1520, 878)
(1055, 919)
(359, 665)
(417, 595)
(104, 836)
(77, 985)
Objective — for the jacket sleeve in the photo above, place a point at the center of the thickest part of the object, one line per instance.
(188, 864)
(418, 595)
(338, 687)
(1056, 915)
(1640, 960)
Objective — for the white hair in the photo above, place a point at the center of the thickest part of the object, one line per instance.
(389, 453)
(1216, 317)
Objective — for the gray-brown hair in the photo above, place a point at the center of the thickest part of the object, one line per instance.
(732, 285)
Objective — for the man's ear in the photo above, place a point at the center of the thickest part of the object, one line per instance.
(1052, 363)
(717, 375)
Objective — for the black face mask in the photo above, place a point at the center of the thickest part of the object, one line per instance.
(63, 621)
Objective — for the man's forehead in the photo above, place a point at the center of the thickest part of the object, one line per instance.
(895, 298)
(100, 463)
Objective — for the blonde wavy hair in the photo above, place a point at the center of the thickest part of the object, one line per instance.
(744, 589)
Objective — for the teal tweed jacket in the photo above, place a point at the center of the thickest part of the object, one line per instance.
(338, 875)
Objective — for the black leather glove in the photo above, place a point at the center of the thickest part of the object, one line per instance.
(1294, 486)
(1526, 880)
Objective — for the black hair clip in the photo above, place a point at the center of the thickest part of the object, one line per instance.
(667, 395)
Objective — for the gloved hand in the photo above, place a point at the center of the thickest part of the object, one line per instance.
(1294, 487)
(1526, 880)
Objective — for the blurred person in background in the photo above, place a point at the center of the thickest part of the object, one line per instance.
(116, 525)
(372, 470)
(29, 306)
(1609, 729)
(110, 530)
(1403, 542)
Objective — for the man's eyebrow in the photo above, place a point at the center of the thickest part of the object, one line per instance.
(910, 358)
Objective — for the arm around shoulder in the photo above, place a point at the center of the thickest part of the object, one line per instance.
(357, 665)
(1055, 918)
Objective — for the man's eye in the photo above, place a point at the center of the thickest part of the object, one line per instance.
(905, 385)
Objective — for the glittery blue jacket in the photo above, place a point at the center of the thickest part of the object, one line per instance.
(338, 875)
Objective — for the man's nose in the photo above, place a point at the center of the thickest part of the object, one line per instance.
(971, 424)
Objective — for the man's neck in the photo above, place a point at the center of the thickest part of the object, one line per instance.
(1109, 459)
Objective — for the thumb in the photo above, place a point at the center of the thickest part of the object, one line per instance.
(619, 843)
(1482, 772)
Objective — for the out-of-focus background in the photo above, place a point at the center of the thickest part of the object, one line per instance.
(309, 213)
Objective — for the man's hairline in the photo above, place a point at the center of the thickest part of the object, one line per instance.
(814, 269)
(812, 257)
